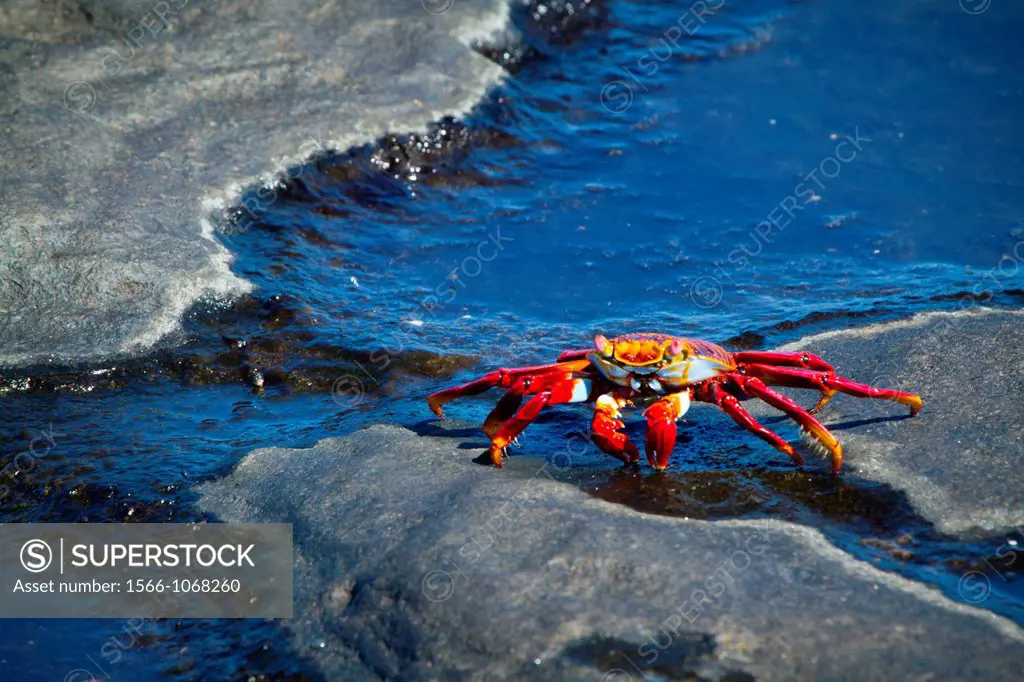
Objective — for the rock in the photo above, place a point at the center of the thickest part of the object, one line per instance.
(961, 460)
(413, 563)
(128, 126)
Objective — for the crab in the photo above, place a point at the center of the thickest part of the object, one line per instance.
(665, 374)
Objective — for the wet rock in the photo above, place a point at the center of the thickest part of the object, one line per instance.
(412, 562)
(961, 460)
(128, 127)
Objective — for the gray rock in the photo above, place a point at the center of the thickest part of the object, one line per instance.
(961, 460)
(413, 563)
(127, 126)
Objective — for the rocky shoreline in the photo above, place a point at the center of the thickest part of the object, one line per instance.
(412, 562)
(961, 460)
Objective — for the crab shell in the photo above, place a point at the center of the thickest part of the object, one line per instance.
(658, 363)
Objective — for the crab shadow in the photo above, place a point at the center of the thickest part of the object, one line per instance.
(471, 436)
(843, 425)
(856, 423)
(451, 428)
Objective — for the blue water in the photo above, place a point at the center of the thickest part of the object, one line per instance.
(552, 212)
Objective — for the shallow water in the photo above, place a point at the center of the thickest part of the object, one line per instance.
(551, 212)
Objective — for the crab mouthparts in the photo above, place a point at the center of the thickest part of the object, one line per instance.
(642, 384)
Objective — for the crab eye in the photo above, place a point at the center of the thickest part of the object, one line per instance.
(603, 346)
(677, 348)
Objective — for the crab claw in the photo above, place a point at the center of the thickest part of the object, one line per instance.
(661, 438)
(606, 434)
(661, 427)
(607, 437)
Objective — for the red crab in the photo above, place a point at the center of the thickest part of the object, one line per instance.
(664, 373)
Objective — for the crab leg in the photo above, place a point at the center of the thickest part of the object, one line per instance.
(799, 359)
(513, 398)
(569, 355)
(605, 433)
(712, 393)
(754, 387)
(499, 377)
(567, 390)
(661, 427)
(830, 383)
(505, 407)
